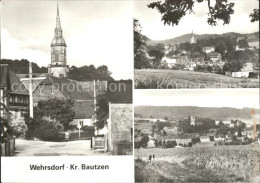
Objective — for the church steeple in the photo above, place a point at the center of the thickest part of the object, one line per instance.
(192, 39)
(58, 30)
(58, 66)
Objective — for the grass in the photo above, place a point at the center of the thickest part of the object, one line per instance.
(178, 79)
(199, 164)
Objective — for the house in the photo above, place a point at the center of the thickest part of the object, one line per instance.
(254, 44)
(4, 90)
(212, 130)
(84, 113)
(171, 130)
(245, 71)
(52, 87)
(215, 57)
(204, 139)
(220, 138)
(151, 143)
(208, 49)
(179, 139)
(120, 121)
(170, 61)
(14, 95)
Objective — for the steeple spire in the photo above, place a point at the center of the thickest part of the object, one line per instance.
(58, 30)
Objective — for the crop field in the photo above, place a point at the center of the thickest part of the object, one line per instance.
(199, 164)
(179, 79)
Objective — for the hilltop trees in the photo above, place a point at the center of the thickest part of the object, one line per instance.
(22, 66)
(86, 73)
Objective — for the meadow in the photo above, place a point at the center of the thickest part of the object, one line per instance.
(180, 79)
(199, 164)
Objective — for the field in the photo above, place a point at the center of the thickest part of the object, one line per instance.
(199, 164)
(179, 79)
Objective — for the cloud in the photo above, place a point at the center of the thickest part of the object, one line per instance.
(15, 49)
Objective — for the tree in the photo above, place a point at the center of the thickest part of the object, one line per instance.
(255, 15)
(140, 50)
(221, 48)
(235, 61)
(89, 73)
(59, 110)
(173, 10)
(102, 111)
(242, 43)
(157, 57)
(22, 66)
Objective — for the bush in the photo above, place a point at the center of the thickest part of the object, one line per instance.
(89, 129)
(48, 130)
(19, 127)
(170, 144)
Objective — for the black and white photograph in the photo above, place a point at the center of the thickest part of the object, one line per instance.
(196, 44)
(66, 80)
(194, 136)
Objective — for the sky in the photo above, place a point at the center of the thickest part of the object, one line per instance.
(235, 98)
(96, 32)
(154, 28)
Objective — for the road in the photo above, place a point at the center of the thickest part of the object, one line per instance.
(42, 148)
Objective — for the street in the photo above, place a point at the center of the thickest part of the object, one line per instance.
(42, 148)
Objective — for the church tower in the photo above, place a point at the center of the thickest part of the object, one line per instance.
(192, 39)
(58, 66)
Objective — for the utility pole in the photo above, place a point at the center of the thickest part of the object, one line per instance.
(30, 90)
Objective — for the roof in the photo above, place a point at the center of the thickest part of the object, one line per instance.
(101, 87)
(35, 82)
(5, 78)
(213, 54)
(16, 85)
(220, 136)
(247, 68)
(11, 81)
(167, 137)
(69, 88)
(83, 109)
(204, 137)
(34, 75)
(120, 91)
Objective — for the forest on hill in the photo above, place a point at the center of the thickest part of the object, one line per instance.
(179, 112)
(84, 73)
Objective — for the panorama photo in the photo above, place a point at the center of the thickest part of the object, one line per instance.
(65, 84)
(193, 136)
(196, 44)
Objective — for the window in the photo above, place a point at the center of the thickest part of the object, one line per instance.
(81, 123)
(56, 57)
(41, 91)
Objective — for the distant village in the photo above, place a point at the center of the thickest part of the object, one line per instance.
(213, 55)
(193, 131)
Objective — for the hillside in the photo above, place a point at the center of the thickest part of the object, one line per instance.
(179, 79)
(186, 38)
(178, 112)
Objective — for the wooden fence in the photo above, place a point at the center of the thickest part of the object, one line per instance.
(8, 148)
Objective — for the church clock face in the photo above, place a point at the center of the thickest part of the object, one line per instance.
(56, 73)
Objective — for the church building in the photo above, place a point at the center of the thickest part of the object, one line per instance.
(58, 67)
